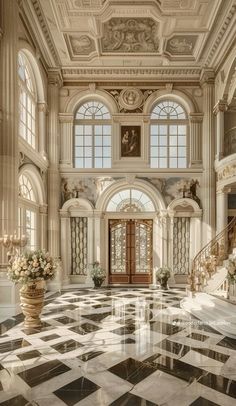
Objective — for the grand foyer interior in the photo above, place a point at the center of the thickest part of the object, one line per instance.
(117, 144)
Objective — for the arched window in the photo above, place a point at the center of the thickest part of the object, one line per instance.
(130, 200)
(168, 138)
(92, 147)
(28, 212)
(27, 100)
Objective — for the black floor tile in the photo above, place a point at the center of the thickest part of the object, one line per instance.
(66, 346)
(42, 373)
(89, 355)
(220, 384)
(97, 317)
(128, 329)
(203, 402)
(76, 391)
(50, 337)
(16, 401)
(65, 320)
(179, 369)
(28, 355)
(165, 328)
(175, 348)
(13, 345)
(212, 354)
(128, 399)
(198, 336)
(132, 370)
(128, 341)
(85, 328)
(228, 343)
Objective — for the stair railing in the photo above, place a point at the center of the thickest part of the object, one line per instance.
(205, 263)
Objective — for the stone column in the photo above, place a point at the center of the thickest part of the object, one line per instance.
(8, 142)
(219, 111)
(42, 117)
(195, 140)
(221, 210)
(66, 132)
(54, 83)
(43, 211)
(208, 178)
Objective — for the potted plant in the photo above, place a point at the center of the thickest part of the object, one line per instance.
(31, 269)
(162, 275)
(97, 273)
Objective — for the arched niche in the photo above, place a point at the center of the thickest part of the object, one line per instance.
(182, 98)
(74, 212)
(184, 235)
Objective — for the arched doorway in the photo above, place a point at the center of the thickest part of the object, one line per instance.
(132, 239)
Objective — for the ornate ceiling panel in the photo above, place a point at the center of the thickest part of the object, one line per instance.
(92, 34)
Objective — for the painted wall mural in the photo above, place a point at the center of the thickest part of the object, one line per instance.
(130, 35)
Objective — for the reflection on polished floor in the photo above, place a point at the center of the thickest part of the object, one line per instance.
(116, 347)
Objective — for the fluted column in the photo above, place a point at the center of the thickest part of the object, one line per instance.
(43, 211)
(195, 140)
(219, 111)
(221, 210)
(42, 117)
(208, 178)
(8, 121)
(54, 83)
(66, 132)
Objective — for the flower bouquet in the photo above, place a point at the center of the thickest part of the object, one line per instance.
(97, 273)
(31, 266)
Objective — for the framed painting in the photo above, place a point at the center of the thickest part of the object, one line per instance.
(130, 139)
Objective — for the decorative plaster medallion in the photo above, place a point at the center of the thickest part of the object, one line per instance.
(130, 98)
(130, 35)
(178, 4)
(81, 45)
(181, 44)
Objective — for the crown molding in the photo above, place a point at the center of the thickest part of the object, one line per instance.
(147, 74)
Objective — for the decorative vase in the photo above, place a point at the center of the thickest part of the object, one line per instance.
(31, 299)
(163, 283)
(97, 282)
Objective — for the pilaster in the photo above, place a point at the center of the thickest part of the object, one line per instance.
(54, 83)
(196, 140)
(219, 111)
(66, 133)
(208, 178)
(42, 117)
(43, 214)
(221, 209)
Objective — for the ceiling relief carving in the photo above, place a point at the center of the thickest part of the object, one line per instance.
(130, 99)
(178, 4)
(130, 35)
(89, 3)
(80, 45)
(181, 45)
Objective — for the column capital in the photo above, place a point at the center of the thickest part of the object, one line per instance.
(55, 77)
(43, 209)
(207, 77)
(43, 107)
(196, 117)
(220, 106)
(66, 118)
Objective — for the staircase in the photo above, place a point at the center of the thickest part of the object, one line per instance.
(208, 279)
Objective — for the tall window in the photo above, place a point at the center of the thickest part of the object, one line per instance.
(168, 139)
(27, 212)
(92, 148)
(27, 100)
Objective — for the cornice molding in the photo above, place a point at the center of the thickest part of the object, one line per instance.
(221, 34)
(159, 74)
(55, 77)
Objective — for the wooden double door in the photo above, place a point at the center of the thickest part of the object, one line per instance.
(130, 251)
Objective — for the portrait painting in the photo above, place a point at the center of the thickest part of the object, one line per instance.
(130, 141)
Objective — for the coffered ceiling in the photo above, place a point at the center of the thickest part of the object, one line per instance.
(127, 33)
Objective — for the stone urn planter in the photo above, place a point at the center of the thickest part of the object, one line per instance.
(163, 283)
(31, 301)
(97, 282)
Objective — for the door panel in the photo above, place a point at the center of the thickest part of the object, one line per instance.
(130, 251)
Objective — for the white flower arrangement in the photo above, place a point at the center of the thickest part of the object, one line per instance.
(230, 265)
(31, 266)
(96, 271)
(162, 272)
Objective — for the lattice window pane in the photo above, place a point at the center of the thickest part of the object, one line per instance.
(79, 245)
(181, 245)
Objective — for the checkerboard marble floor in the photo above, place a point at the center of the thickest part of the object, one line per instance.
(116, 347)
